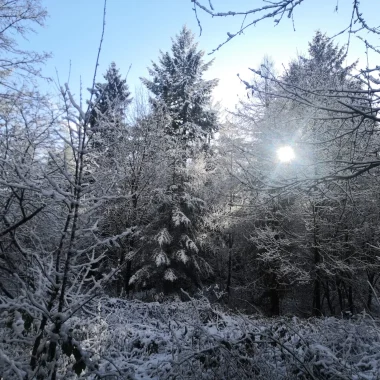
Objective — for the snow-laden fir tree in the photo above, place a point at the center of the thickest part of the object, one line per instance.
(106, 151)
(109, 102)
(324, 67)
(173, 257)
(178, 86)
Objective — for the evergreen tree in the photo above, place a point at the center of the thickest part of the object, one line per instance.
(178, 87)
(110, 101)
(324, 67)
(174, 258)
(107, 133)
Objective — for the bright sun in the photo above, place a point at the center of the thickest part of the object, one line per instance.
(286, 154)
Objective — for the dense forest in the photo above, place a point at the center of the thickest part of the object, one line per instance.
(156, 236)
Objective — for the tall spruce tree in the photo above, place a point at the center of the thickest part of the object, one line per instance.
(323, 67)
(109, 103)
(177, 85)
(107, 145)
(174, 257)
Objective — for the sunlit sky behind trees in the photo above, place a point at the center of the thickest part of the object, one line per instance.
(136, 30)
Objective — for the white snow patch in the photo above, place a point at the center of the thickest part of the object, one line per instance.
(170, 275)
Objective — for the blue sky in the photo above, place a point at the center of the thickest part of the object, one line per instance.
(137, 29)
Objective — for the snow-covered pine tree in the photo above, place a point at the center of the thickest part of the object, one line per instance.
(108, 146)
(173, 257)
(110, 100)
(324, 67)
(178, 87)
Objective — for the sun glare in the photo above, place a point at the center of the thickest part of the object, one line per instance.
(286, 154)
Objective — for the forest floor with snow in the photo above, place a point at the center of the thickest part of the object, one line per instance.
(135, 340)
(196, 340)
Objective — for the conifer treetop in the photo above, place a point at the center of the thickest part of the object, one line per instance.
(178, 87)
(111, 97)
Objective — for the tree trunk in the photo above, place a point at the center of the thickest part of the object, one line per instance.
(317, 309)
(351, 300)
(340, 296)
(328, 298)
(274, 302)
(371, 277)
(274, 296)
(317, 304)
(228, 285)
(127, 277)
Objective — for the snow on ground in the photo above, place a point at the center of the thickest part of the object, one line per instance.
(121, 339)
(194, 340)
